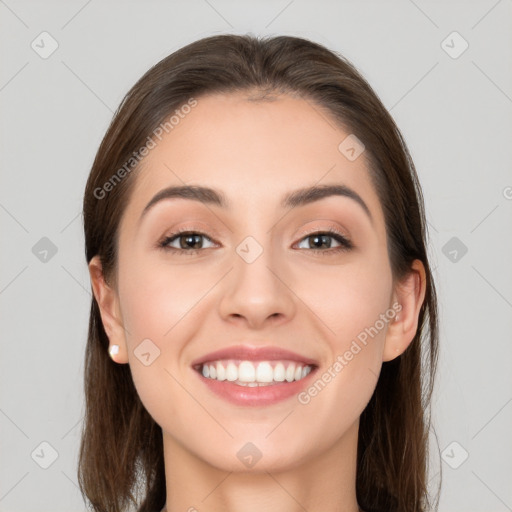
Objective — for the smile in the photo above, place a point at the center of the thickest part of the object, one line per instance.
(255, 383)
(254, 373)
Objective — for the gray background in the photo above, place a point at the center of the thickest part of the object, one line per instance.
(455, 114)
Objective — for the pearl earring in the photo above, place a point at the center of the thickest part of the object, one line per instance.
(113, 350)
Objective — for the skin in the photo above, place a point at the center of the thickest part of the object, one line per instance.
(316, 305)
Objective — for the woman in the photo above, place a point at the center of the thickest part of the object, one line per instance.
(256, 242)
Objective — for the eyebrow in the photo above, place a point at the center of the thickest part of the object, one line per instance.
(299, 197)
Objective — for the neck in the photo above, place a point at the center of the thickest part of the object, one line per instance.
(324, 482)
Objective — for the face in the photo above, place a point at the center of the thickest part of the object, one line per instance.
(312, 278)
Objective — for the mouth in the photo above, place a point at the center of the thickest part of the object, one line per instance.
(249, 376)
(254, 373)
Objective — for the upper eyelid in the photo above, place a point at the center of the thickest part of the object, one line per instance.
(337, 230)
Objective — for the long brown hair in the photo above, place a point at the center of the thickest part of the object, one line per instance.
(121, 452)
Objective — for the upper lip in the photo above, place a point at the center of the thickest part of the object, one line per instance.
(250, 353)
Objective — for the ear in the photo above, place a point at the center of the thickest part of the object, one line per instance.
(108, 302)
(409, 293)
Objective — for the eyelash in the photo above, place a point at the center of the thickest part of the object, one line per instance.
(345, 244)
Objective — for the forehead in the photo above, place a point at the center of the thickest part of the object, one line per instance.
(254, 151)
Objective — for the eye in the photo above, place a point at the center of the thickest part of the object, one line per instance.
(187, 242)
(320, 238)
(190, 242)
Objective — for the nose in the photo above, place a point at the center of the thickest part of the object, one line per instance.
(258, 293)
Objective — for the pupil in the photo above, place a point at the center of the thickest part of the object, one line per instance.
(319, 239)
(190, 240)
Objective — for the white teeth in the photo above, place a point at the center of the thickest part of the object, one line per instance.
(264, 372)
(279, 372)
(231, 372)
(247, 373)
(221, 372)
(290, 373)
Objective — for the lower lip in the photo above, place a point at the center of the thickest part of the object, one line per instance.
(257, 395)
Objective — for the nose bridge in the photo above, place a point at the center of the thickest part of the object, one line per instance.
(255, 250)
(256, 288)
(255, 259)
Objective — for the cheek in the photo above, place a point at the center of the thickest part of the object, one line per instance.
(351, 305)
(157, 296)
(346, 299)
(157, 304)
